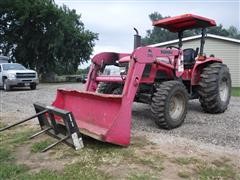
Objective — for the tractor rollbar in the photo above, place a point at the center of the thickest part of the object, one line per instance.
(64, 129)
(203, 35)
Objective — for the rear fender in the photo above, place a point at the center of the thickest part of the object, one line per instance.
(198, 67)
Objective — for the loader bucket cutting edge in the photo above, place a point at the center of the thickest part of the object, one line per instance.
(100, 116)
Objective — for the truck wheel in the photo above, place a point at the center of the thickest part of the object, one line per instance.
(109, 88)
(215, 88)
(6, 86)
(169, 104)
(33, 86)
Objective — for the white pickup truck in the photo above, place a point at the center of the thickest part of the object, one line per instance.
(16, 75)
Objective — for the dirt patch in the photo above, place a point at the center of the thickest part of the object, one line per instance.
(39, 161)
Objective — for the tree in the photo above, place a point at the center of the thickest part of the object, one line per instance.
(44, 36)
(157, 35)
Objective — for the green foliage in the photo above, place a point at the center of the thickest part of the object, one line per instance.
(44, 36)
(83, 71)
(236, 91)
(157, 35)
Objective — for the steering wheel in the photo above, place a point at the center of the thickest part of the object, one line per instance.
(170, 47)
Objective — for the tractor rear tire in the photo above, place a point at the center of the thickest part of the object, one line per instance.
(215, 88)
(109, 88)
(169, 104)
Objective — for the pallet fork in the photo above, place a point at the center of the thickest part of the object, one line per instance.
(64, 129)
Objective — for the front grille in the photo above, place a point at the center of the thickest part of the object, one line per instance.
(25, 75)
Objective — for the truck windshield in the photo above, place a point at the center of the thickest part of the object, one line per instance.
(13, 66)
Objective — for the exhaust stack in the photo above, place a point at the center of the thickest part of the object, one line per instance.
(137, 39)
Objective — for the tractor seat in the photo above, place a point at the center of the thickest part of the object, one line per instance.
(189, 56)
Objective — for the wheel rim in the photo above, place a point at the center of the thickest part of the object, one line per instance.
(177, 106)
(224, 89)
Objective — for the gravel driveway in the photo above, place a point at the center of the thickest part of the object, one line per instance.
(221, 129)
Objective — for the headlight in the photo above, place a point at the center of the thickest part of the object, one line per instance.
(12, 76)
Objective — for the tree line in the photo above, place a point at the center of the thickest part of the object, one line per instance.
(158, 35)
(44, 36)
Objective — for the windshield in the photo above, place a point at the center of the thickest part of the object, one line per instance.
(13, 66)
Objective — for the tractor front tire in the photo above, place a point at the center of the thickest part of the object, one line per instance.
(215, 88)
(169, 104)
(109, 88)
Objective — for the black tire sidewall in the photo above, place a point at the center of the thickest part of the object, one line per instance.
(209, 88)
(224, 73)
(173, 123)
(160, 105)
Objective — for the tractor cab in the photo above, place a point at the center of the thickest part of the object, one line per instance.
(179, 24)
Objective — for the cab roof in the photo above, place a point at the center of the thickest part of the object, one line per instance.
(184, 22)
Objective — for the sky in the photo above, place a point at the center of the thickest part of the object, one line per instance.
(114, 20)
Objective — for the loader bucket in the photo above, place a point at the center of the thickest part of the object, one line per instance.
(100, 116)
(106, 117)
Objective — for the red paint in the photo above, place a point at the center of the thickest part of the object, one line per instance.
(183, 22)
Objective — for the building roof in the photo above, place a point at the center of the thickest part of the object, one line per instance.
(196, 37)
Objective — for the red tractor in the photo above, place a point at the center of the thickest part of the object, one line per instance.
(174, 75)
(164, 78)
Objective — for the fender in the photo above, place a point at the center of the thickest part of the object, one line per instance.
(199, 65)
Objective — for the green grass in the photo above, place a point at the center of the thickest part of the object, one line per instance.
(217, 169)
(15, 137)
(39, 146)
(10, 170)
(5, 154)
(96, 157)
(184, 174)
(212, 172)
(186, 160)
(236, 91)
(142, 176)
(74, 171)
